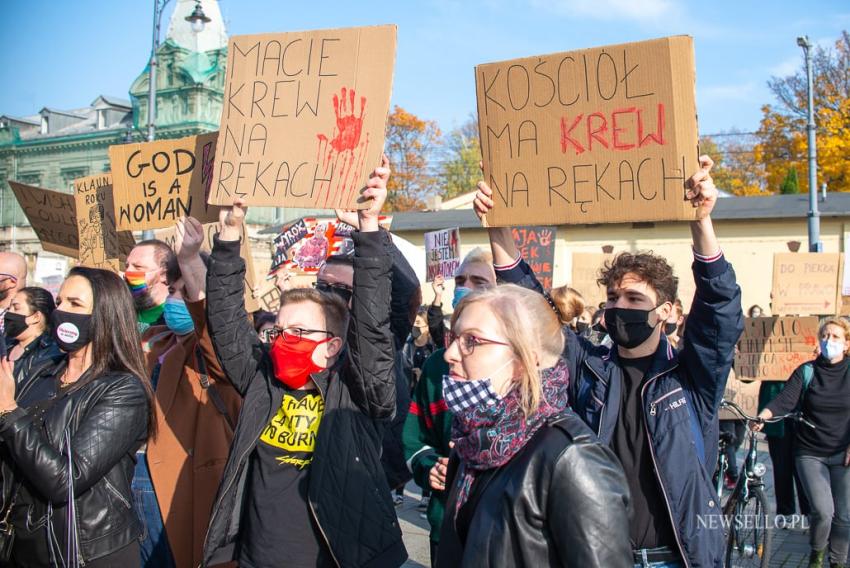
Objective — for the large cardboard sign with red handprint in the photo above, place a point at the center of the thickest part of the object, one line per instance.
(602, 135)
(101, 244)
(304, 116)
(156, 183)
(53, 216)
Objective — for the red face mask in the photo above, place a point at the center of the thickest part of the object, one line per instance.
(293, 362)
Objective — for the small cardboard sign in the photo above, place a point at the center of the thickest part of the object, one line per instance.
(744, 394)
(602, 135)
(537, 246)
(806, 284)
(442, 253)
(304, 245)
(586, 267)
(156, 183)
(304, 116)
(101, 245)
(169, 237)
(772, 347)
(53, 216)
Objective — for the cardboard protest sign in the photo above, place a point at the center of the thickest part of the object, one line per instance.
(304, 116)
(603, 135)
(537, 246)
(156, 183)
(169, 237)
(586, 267)
(101, 245)
(744, 394)
(806, 284)
(53, 216)
(442, 253)
(772, 347)
(304, 245)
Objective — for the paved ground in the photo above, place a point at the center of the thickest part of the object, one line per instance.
(790, 548)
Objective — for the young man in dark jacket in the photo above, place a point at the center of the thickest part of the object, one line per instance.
(656, 407)
(303, 484)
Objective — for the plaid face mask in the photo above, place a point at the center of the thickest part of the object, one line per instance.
(462, 395)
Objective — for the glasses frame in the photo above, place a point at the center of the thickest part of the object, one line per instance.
(476, 341)
(297, 332)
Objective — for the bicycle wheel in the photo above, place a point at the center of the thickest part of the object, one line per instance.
(749, 537)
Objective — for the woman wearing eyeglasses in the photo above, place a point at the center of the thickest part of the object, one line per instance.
(528, 483)
(303, 484)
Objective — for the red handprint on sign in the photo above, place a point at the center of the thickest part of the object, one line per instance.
(344, 154)
(545, 237)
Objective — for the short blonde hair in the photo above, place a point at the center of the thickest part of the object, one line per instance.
(477, 255)
(569, 301)
(530, 327)
(838, 322)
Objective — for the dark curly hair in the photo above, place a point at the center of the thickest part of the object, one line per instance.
(651, 268)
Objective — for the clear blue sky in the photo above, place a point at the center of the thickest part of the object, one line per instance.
(64, 53)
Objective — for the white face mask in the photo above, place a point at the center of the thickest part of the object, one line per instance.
(831, 349)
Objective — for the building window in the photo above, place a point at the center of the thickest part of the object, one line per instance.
(29, 178)
(70, 174)
(44, 125)
(101, 119)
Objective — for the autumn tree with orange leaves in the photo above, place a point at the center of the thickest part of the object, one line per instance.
(782, 134)
(410, 142)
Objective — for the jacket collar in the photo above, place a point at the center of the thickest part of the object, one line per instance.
(664, 360)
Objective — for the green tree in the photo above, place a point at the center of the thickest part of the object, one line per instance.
(790, 184)
(460, 170)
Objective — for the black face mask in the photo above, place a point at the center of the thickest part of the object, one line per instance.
(71, 331)
(628, 327)
(581, 327)
(670, 328)
(14, 324)
(416, 333)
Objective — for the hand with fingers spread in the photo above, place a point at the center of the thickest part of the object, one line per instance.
(232, 219)
(375, 194)
(701, 190)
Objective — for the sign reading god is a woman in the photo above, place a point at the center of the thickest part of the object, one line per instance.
(602, 135)
(304, 115)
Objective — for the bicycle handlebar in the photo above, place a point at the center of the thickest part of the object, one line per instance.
(796, 416)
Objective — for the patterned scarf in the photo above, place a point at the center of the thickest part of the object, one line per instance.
(488, 436)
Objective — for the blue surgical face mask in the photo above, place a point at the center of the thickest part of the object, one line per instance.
(831, 349)
(460, 293)
(177, 317)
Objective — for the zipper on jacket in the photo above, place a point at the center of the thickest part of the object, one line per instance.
(310, 503)
(658, 476)
(654, 403)
(602, 410)
(115, 492)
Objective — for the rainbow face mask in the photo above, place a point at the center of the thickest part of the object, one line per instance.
(137, 282)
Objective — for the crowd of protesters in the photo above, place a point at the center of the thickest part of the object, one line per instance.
(149, 420)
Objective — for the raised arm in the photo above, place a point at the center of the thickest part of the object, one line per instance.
(238, 348)
(370, 378)
(189, 236)
(716, 319)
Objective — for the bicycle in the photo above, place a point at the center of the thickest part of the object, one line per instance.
(748, 536)
(722, 466)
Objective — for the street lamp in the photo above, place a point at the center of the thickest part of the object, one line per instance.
(814, 215)
(198, 19)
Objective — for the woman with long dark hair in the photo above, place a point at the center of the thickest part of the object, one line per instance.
(29, 342)
(70, 432)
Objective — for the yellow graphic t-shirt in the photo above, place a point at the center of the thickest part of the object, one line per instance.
(294, 428)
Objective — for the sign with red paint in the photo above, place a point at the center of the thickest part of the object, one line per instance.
(156, 183)
(304, 116)
(603, 135)
(537, 245)
(442, 253)
(772, 347)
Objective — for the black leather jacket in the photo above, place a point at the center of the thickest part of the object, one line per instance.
(43, 351)
(562, 500)
(107, 420)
